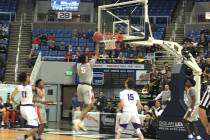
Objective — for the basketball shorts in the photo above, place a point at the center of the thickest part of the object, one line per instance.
(41, 114)
(194, 115)
(128, 117)
(29, 114)
(85, 94)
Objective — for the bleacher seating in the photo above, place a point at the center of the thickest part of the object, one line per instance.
(67, 37)
(8, 7)
(195, 35)
(160, 10)
(4, 33)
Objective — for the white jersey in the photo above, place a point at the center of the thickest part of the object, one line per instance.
(25, 94)
(130, 98)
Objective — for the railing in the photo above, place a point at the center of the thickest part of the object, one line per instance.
(165, 54)
(10, 14)
(36, 68)
(105, 60)
(18, 48)
(195, 17)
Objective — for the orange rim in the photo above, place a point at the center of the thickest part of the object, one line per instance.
(111, 36)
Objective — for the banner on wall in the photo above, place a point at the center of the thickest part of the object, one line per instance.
(6, 89)
(107, 123)
(98, 78)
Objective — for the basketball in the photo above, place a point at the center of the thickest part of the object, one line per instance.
(98, 36)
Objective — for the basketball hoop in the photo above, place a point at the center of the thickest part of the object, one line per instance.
(109, 40)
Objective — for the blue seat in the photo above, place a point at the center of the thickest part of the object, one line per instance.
(44, 53)
(90, 45)
(53, 53)
(60, 59)
(61, 53)
(51, 58)
(44, 48)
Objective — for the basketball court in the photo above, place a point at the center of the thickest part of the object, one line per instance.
(11, 134)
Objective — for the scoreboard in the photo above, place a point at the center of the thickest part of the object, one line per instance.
(114, 74)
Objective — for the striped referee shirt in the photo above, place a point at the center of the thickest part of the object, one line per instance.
(205, 101)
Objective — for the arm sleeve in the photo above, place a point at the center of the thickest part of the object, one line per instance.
(205, 101)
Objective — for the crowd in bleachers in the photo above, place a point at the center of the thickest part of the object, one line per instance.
(4, 33)
(7, 13)
(66, 45)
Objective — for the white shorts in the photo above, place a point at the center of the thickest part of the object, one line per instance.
(29, 114)
(85, 94)
(128, 117)
(194, 115)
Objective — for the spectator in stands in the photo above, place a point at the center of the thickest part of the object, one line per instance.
(165, 96)
(10, 112)
(78, 52)
(147, 127)
(3, 48)
(2, 110)
(104, 54)
(51, 15)
(87, 53)
(75, 34)
(43, 38)
(51, 41)
(68, 55)
(62, 46)
(157, 109)
(150, 56)
(146, 109)
(36, 42)
(101, 102)
(75, 105)
(2, 60)
(203, 41)
(32, 58)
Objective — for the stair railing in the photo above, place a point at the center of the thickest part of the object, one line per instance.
(18, 48)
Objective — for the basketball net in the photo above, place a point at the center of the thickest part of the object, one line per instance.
(109, 40)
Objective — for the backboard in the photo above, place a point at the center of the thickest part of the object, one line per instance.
(129, 18)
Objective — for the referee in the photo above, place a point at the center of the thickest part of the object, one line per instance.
(204, 105)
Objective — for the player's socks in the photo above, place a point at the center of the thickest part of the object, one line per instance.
(81, 126)
(198, 138)
(76, 124)
(190, 136)
(37, 137)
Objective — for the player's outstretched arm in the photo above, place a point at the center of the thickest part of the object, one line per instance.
(96, 51)
(14, 93)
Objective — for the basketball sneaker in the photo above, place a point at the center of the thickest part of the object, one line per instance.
(81, 126)
(76, 124)
(190, 138)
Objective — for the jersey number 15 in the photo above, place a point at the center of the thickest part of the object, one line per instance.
(130, 97)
